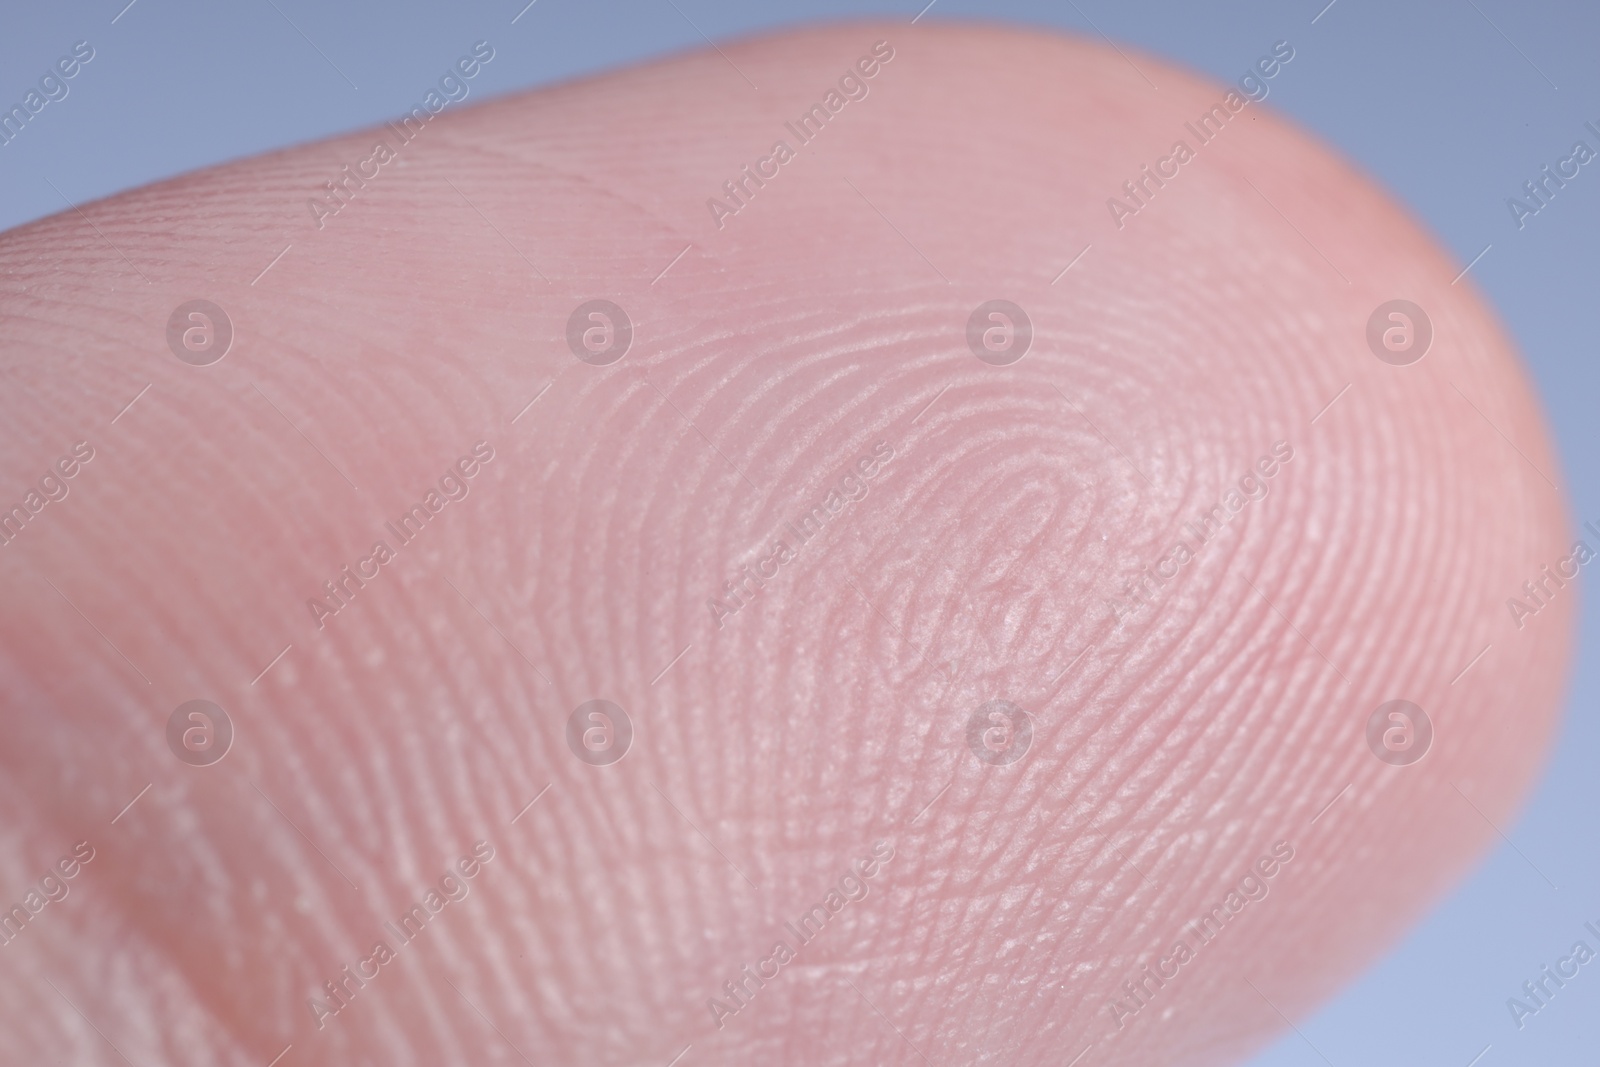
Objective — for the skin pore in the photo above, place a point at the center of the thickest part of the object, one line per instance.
(959, 531)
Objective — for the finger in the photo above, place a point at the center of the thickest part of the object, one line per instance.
(955, 529)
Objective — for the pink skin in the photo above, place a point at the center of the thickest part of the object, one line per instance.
(1169, 752)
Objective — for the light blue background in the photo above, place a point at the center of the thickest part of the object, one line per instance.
(1431, 98)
